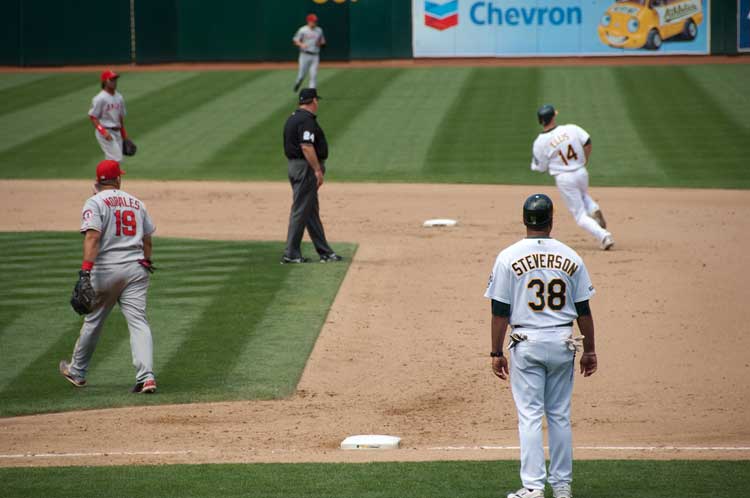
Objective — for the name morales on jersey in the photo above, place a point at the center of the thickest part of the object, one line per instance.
(119, 201)
(545, 261)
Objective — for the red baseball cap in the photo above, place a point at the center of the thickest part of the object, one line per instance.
(109, 75)
(312, 18)
(108, 170)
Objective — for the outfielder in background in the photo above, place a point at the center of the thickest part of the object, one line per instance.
(117, 264)
(539, 286)
(564, 151)
(107, 114)
(309, 38)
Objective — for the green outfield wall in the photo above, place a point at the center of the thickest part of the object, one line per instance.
(54, 32)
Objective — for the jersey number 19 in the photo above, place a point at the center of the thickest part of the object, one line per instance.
(125, 223)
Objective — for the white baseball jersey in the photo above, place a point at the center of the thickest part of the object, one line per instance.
(541, 279)
(108, 109)
(310, 38)
(560, 150)
(122, 221)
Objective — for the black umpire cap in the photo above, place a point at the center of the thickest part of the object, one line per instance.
(537, 211)
(306, 95)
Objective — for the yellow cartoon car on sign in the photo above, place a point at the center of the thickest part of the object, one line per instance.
(647, 23)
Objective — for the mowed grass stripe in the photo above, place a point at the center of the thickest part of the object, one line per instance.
(211, 126)
(26, 125)
(258, 152)
(41, 90)
(590, 98)
(684, 127)
(275, 354)
(728, 86)
(48, 156)
(475, 479)
(396, 130)
(10, 80)
(205, 306)
(484, 137)
(208, 353)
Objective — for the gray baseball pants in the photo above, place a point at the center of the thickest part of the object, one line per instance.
(112, 148)
(126, 284)
(305, 212)
(308, 62)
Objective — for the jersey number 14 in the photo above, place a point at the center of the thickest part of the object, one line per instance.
(571, 155)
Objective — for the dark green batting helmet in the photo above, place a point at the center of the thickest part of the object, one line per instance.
(545, 114)
(537, 211)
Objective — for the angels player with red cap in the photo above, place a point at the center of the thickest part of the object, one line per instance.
(107, 114)
(117, 247)
(309, 38)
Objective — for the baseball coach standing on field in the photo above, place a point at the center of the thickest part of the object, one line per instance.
(306, 149)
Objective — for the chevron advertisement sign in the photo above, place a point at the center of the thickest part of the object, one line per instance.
(441, 14)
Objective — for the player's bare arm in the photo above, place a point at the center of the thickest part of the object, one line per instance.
(587, 150)
(499, 326)
(100, 128)
(586, 326)
(91, 245)
(148, 246)
(312, 159)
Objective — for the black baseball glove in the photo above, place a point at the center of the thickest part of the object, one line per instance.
(83, 299)
(128, 147)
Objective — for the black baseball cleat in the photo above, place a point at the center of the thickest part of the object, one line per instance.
(148, 387)
(296, 86)
(330, 258)
(293, 261)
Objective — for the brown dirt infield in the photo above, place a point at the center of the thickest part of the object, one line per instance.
(404, 348)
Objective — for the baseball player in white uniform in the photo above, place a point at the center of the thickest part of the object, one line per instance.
(309, 38)
(117, 252)
(564, 151)
(107, 114)
(539, 286)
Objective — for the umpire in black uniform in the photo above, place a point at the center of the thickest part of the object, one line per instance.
(306, 149)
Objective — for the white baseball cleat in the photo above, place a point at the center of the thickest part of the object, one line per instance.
(607, 242)
(562, 491)
(527, 493)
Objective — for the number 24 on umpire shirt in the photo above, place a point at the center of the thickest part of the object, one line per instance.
(302, 128)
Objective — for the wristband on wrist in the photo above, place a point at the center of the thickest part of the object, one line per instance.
(87, 265)
(496, 354)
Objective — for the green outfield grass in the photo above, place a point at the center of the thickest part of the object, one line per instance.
(683, 126)
(229, 322)
(593, 479)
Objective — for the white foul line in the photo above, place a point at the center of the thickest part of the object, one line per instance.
(434, 448)
(95, 454)
(602, 448)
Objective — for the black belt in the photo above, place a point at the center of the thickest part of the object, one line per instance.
(569, 324)
(115, 129)
(309, 53)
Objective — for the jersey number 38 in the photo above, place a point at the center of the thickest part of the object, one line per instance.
(550, 295)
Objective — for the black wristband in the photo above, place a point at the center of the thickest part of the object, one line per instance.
(496, 354)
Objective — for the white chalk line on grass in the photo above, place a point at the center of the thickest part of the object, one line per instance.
(94, 454)
(600, 448)
(434, 448)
